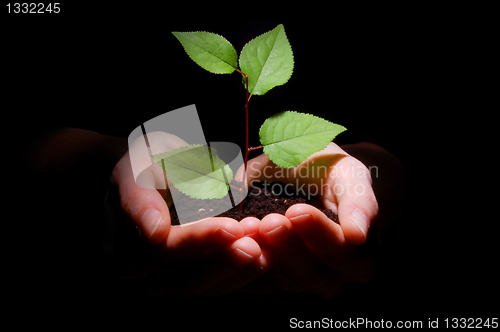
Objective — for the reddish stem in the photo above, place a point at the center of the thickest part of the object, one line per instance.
(234, 187)
(247, 132)
(255, 148)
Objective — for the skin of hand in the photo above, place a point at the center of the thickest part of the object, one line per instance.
(183, 260)
(310, 252)
(211, 256)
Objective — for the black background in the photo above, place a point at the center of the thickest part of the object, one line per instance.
(411, 79)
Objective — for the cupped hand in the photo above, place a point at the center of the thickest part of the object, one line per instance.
(338, 181)
(210, 256)
(310, 252)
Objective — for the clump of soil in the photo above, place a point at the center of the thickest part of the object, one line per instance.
(263, 198)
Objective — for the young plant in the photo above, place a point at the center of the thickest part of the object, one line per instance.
(287, 138)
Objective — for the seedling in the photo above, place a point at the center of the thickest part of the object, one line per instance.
(287, 138)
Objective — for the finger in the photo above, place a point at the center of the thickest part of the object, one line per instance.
(326, 240)
(197, 239)
(288, 250)
(258, 169)
(145, 171)
(322, 235)
(250, 225)
(219, 266)
(137, 179)
(296, 268)
(244, 277)
(357, 205)
(146, 207)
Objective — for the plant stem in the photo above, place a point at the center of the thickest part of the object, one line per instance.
(255, 148)
(234, 187)
(247, 133)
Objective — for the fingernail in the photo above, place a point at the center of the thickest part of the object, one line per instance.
(228, 234)
(244, 253)
(302, 216)
(276, 230)
(360, 220)
(150, 221)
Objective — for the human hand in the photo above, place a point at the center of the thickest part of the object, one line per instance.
(211, 256)
(310, 252)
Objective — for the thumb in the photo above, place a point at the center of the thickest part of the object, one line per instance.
(357, 204)
(258, 169)
(138, 179)
(146, 207)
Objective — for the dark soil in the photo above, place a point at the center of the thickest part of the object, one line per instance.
(263, 198)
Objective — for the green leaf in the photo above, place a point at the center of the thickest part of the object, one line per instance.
(209, 50)
(196, 171)
(289, 137)
(267, 60)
